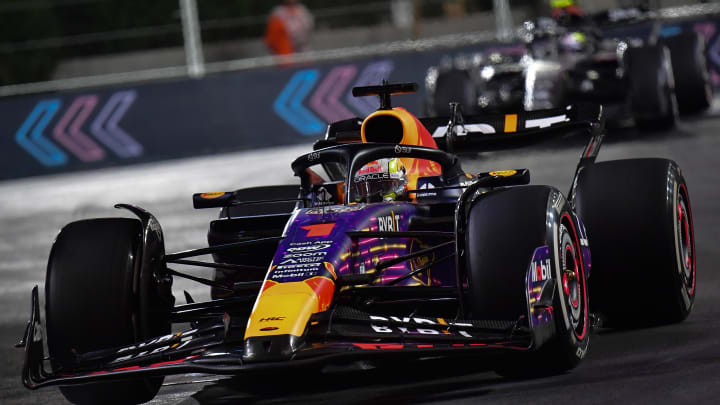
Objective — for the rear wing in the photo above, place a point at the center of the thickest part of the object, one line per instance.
(478, 133)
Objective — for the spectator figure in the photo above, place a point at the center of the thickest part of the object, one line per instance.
(288, 28)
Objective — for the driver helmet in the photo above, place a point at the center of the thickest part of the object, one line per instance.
(381, 180)
(574, 41)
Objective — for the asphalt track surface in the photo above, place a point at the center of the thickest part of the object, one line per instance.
(671, 364)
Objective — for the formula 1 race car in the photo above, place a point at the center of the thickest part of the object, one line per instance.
(386, 249)
(622, 62)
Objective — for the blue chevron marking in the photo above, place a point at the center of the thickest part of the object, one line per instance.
(670, 31)
(288, 104)
(42, 149)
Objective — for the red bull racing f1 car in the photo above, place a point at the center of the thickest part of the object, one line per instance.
(386, 249)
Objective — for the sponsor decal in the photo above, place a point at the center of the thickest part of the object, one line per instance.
(546, 122)
(335, 209)
(323, 197)
(503, 173)
(272, 318)
(303, 257)
(210, 196)
(371, 176)
(400, 149)
(310, 248)
(541, 270)
(388, 223)
(298, 270)
(416, 326)
(372, 167)
(293, 266)
(174, 341)
(426, 186)
(558, 201)
(463, 130)
(319, 229)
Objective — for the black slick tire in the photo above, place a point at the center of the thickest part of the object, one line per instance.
(92, 303)
(639, 222)
(504, 228)
(693, 87)
(454, 86)
(653, 104)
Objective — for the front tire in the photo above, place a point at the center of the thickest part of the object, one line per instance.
(504, 228)
(92, 303)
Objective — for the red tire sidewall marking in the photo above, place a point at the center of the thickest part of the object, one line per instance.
(582, 335)
(686, 198)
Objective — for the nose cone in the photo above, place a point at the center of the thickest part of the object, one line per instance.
(280, 317)
(271, 348)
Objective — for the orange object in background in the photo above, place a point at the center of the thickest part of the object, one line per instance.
(288, 28)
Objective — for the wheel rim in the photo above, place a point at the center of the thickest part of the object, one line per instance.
(572, 288)
(573, 280)
(686, 243)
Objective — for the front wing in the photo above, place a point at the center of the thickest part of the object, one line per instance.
(338, 336)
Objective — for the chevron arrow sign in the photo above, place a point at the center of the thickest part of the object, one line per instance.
(325, 105)
(326, 99)
(31, 138)
(288, 104)
(68, 132)
(106, 129)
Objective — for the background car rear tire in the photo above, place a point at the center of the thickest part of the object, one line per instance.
(692, 79)
(639, 222)
(504, 229)
(454, 86)
(91, 304)
(653, 105)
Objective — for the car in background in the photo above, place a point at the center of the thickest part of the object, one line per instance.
(645, 79)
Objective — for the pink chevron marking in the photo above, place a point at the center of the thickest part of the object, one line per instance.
(373, 73)
(74, 140)
(707, 30)
(325, 101)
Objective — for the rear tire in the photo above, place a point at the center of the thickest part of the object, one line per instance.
(652, 90)
(92, 304)
(504, 229)
(639, 222)
(454, 86)
(692, 78)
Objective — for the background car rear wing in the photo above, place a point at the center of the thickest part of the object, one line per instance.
(459, 133)
(478, 133)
